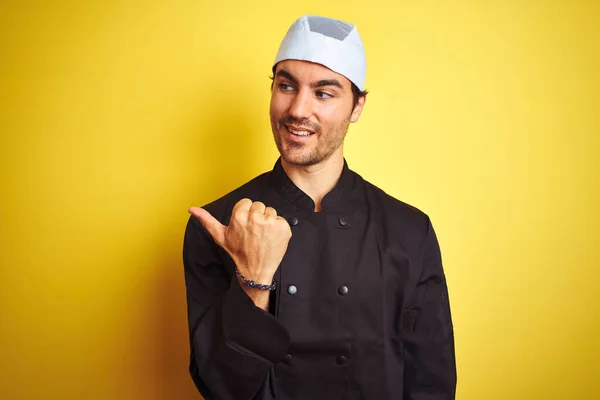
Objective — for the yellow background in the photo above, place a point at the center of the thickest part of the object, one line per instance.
(115, 116)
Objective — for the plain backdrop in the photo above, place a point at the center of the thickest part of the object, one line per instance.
(116, 116)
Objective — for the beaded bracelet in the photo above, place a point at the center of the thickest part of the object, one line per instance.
(255, 285)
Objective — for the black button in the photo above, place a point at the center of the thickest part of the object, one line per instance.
(292, 289)
(293, 221)
(343, 290)
(341, 360)
(287, 359)
(343, 221)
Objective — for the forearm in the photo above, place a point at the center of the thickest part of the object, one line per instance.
(234, 343)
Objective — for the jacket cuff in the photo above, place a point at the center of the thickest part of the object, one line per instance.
(252, 329)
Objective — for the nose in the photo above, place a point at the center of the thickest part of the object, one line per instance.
(301, 107)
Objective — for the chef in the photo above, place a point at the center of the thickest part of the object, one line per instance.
(308, 282)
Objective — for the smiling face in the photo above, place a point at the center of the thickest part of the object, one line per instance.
(311, 109)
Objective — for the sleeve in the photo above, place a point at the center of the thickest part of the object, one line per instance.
(430, 365)
(233, 343)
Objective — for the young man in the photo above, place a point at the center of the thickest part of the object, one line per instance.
(308, 282)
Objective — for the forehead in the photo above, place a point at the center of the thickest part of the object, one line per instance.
(306, 72)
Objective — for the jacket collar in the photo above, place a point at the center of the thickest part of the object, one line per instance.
(338, 200)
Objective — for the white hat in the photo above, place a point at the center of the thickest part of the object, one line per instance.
(327, 41)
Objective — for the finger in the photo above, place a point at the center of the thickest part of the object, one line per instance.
(270, 212)
(284, 222)
(258, 207)
(242, 205)
(213, 226)
(240, 212)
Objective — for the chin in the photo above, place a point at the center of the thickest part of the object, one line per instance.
(292, 157)
(300, 160)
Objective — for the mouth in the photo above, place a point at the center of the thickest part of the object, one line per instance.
(298, 133)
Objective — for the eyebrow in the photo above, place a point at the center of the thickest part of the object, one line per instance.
(321, 83)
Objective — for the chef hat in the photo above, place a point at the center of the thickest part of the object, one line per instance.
(327, 41)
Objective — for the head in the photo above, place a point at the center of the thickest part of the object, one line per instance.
(317, 90)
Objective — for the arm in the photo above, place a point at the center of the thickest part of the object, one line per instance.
(430, 367)
(233, 343)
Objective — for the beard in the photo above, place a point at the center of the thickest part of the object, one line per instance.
(304, 155)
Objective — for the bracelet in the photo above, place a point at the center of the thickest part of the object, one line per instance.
(255, 285)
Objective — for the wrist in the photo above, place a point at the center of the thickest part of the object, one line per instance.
(260, 285)
(257, 274)
(260, 298)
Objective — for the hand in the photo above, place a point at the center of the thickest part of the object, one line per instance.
(256, 238)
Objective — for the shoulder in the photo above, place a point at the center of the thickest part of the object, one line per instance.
(396, 214)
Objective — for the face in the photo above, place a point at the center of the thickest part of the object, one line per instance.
(311, 109)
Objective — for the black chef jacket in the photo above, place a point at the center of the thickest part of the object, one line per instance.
(361, 308)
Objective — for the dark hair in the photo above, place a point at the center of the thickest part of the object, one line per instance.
(356, 93)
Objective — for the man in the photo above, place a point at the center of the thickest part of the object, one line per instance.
(308, 282)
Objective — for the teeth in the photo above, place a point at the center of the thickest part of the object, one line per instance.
(300, 133)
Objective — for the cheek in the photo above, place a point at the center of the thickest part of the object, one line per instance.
(276, 111)
(333, 116)
(278, 103)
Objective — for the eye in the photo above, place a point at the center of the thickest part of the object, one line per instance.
(323, 95)
(285, 87)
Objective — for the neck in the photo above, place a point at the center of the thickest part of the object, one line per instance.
(316, 180)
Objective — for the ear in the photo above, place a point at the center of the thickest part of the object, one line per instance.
(360, 104)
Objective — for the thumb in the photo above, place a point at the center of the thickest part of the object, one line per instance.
(214, 227)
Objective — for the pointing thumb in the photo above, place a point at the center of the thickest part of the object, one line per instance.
(214, 227)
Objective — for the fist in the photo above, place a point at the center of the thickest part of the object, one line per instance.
(256, 238)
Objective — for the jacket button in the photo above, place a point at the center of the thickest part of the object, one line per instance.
(293, 221)
(343, 290)
(292, 289)
(341, 360)
(287, 359)
(343, 221)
